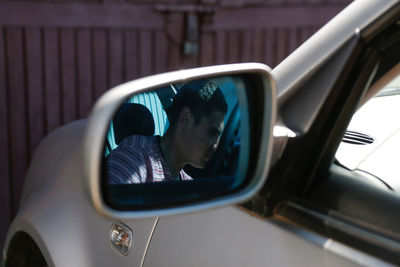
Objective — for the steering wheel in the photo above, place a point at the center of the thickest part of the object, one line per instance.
(224, 159)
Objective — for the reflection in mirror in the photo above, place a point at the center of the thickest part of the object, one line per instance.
(180, 133)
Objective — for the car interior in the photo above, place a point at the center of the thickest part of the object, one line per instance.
(146, 114)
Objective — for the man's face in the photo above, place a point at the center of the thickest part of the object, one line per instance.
(203, 138)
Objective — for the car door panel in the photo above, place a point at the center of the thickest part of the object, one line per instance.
(231, 236)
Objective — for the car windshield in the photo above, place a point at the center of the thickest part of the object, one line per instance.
(371, 143)
(392, 89)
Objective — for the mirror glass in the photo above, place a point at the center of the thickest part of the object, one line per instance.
(178, 143)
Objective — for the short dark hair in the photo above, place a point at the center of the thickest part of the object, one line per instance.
(202, 97)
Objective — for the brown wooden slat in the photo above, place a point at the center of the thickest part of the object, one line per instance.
(275, 46)
(79, 15)
(84, 71)
(233, 47)
(68, 76)
(207, 49)
(100, 63)
(283, 40)
(268, 44)
(298, 37)
(132, 58)
(293, 40)
(146, 53)
(175, 29)
(33, 50)
(256, 54)
(52, 79)
(247, 40)
(115, 57)
(279, 46)
(161, 46)
(220, 47)
(5, 188)
(17, 115)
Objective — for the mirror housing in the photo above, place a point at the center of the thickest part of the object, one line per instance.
(257, 101)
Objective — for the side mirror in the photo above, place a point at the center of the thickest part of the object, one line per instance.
(180, 141)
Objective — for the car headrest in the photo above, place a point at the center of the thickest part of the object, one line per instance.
(132, 119)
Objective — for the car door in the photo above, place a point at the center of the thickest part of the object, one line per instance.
(311, 211)
(233, 236)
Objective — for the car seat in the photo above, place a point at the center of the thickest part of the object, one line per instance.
(130, 119)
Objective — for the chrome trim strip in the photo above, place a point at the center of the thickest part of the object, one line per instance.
(332, 246)
(353, 254)
(148, 242)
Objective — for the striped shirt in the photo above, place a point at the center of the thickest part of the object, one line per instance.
(138, 159)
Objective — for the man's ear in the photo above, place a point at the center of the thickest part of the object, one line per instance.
(185, 117)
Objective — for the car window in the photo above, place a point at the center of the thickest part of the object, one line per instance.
(158, 102)
(371, 144)
(148, 114)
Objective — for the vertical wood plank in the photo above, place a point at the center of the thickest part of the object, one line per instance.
(100, 63)
(84, 71)
(115, 57)
(221, 51)
(52, 79)
(175, 31)
(292, 40)
(68, 76)
(17, 115)
(284, 48)
(298, 37)
(246, 46)
(161, 45)
(5, 189)
(233, 46)
(268, 45)
(207, 49)
(256, 54)
(145, 53)
(132, 58)
(280, 45)
(33, 48)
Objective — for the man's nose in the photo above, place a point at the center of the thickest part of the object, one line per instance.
(215, 145)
